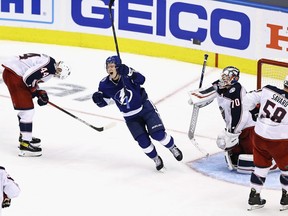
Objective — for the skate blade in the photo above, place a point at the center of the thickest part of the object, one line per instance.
(163, 170)
(283, 207)
(29, 154)
(254, 207)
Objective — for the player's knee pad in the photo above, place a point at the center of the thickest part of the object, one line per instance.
(143, 140)
(158, 135)
(26, 116)
(164, 138)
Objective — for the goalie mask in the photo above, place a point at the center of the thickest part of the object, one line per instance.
(229, 76)
(62, 70)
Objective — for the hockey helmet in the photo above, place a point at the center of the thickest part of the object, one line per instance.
(229, 76)
(113, 60)
(62, 70)
(286, 82)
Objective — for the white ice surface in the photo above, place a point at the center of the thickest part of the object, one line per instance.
(85, 172)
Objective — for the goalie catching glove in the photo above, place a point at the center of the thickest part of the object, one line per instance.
(227, 140)
(202, 97)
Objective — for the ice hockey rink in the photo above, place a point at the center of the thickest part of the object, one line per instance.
(86, 172)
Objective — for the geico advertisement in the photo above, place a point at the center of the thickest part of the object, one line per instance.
(27, 11)
(212, 26)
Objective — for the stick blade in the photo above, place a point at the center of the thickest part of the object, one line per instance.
(200, 149)
(110, 125)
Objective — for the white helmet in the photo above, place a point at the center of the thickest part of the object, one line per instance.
(62, 70)
(286, 82)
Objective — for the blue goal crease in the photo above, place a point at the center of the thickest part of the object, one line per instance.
(215, 167)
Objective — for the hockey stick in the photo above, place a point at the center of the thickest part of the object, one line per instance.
(113, 27)
(117, 49)
(100, 129)
(195, 113)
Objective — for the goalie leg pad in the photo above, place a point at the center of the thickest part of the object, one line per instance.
(228, 160)
(245, 164)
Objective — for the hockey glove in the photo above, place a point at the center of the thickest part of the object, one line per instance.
(98, 99)
(42, 97)
(124, 70)
(255, 112)
(6, 201)
(34, 91)
(227, 140)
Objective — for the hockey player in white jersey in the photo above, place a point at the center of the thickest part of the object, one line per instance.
(270, 140)
(8, 189)
(235, 139)
(22, 74)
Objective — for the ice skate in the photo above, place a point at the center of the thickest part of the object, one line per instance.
(284, 200)
(176, 153)
(35, 141)
(159, 162)
(28, 150)
(255, 200)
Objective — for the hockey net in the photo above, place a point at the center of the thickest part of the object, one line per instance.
(271, 72)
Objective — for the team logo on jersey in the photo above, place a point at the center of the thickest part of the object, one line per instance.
(122, 95)
(232, 90)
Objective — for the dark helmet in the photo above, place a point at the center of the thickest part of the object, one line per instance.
(229, 76)
(113, 60)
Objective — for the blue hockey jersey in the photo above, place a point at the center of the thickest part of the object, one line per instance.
(135, 93)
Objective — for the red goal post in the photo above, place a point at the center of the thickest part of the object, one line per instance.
(272, 72)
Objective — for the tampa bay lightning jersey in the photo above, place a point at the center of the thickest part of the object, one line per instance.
(136, 95)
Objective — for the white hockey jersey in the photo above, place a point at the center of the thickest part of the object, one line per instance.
(272, 122)
(32, 67)
(231, 107)
(7, 186)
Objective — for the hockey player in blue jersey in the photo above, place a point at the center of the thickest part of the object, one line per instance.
(123, 85)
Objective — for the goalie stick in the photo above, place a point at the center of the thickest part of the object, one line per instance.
(195, 113)
(117, 49)
(99, 129)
